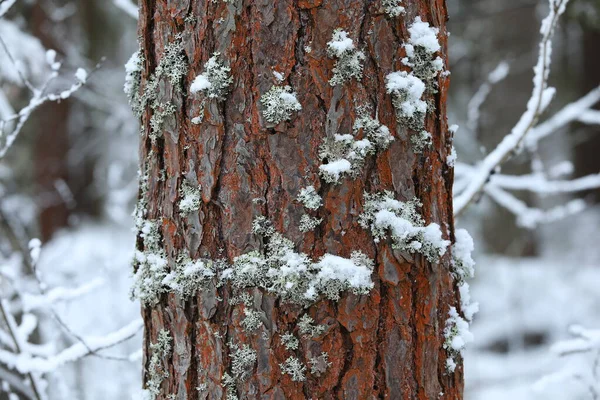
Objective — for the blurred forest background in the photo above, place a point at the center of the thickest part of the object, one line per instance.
(70, 179)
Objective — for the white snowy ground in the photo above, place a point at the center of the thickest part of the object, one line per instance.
(526, 306)
(74, 257)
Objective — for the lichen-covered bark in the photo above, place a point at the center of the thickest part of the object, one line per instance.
(388, 344)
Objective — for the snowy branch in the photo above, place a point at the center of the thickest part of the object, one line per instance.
(5, 6)
(25, 363)
(538, 102)
(39, 97)
(576, 111)
(529, 217)
(18, 344)
(478, 99)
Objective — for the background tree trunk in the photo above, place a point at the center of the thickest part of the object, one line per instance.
(387, 344)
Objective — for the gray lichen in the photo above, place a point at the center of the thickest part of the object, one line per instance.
(293, 276)
(190, 198)
(279, 103)
(150, 266)
(242, 360)
(384, 215)
(421, 141)
(252, 320)
(393, 8)
(294, 368)
(289, 341)
(189, 276)
(309, 197)
(378, 134)
(308, 223)
(421, 53)
(156, 372)
(161, 111)
(349, 63)
(307, 327)
(133, 79)
(407, 91)
(344, 156)
(214, 82)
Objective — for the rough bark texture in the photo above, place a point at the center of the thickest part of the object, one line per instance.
(388, 344)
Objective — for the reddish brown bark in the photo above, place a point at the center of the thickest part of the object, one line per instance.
(388, 344)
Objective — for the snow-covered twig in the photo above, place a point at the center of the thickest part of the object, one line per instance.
(577, 111)
(474, 105)
(39, 98)
(539, 100)
(58, 294)
(539, 184)
(529, 217)
(18, 343)
(5, 6)
(24, 363)
(584, 340)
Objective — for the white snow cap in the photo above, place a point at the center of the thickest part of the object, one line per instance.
(340, 43)
(200, 83)
(421, 34)
(345, 270)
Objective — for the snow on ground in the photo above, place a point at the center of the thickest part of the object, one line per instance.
(526, 305)
(81, 255)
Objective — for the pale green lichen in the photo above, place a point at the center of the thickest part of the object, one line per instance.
(378, 134)
(229, 384)
(214, 82)
(421, 141)
(343, 155)
(150, 266)
(279, 103)
(349, 63)
(189, 276)
(309, 197)
(252, 320)
(308, 328)
(156, 370)
(294, 368)
(133, 79)
(407, 91)
(463, 265)
(242, 360)
(393, 8)
(384, 215)
(308, 223)
(421, 53)
(293, 276)
(289, 341)
(191, 198)
(172, 66)
(161, 111)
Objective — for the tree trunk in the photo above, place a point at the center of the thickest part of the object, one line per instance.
(387, 343)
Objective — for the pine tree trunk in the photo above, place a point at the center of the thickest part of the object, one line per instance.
(388, 343)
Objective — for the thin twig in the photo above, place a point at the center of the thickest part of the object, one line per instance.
(10, 323)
